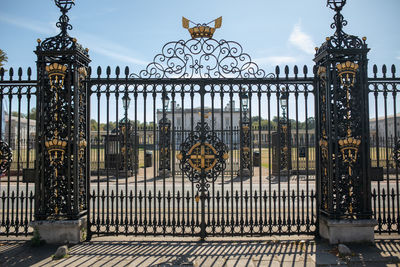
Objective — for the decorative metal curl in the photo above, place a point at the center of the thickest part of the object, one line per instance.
(5, 156)
(396, 153)
(340, 39)
(62, 41)
(193, 151)
(202, 58)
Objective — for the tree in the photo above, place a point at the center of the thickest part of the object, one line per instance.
(16, 114)
(93, 125)
(32, 114)
(3, 58)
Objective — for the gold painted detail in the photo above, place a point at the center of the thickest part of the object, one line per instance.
(322, 73)
(56, 74)
(349, 148)
(82, 72)
(206, 115)
(201, 30)
(347, 73)
(82, 146)
(56, 149)
(202, 156)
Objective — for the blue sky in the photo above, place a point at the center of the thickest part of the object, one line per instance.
(130, 32)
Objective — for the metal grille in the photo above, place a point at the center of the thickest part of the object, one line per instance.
(18, 131)
(384, 89)
(157, 199)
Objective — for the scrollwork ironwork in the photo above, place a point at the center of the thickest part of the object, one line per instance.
(202, 58)
(396, 152)
(5, 156)
(202, 155)
(62, 41)
(340, 39)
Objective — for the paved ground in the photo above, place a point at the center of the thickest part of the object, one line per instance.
(162, 251)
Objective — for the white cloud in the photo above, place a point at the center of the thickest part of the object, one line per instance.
(275, 60)
(109, 49)
(301, 40)
(398, 57)
(27, 24)
(111, 53)
(94, 43)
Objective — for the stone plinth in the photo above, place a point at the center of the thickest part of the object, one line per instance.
(347, 231)
(63, 231)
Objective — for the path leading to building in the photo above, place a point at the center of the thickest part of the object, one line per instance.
(166, 251)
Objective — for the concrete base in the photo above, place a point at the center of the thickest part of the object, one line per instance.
(61, 232)
(347, 231)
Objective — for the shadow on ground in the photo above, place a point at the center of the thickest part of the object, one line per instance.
(21, 253)
(167, 251)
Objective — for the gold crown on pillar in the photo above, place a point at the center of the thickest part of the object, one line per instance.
(349, 143)
(201, 30)
(347, 67)
(55, 144)
(56, 69)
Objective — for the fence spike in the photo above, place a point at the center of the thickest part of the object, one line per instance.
(117, 71)
(108, 71)
(11, 73)
(393, 69)
(295, 70)
(375, 70)
(89, 71)
(126, 71)
(277, 71)
(384, 70)
(2, 73)
(305, 71)
(99, 71)
(287, 71)
(20, 73)
(29, 72)
(315, 70)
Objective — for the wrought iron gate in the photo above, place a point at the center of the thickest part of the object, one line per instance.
(201, 142)
(210, 171)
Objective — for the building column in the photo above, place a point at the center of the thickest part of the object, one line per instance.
(61, 169)
(342, 128)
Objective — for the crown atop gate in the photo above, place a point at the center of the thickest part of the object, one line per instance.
(201, 30)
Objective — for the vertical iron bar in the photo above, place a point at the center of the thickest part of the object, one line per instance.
(182, 140)
(259, 95)
(202, 92)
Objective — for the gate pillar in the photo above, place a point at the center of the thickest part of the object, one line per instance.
(61, 150)
(344, 185)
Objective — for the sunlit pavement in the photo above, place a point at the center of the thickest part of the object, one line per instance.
(168, 251)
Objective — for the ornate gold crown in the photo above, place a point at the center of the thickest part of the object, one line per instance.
(202, 30)
(347, 67)
(55, 144)
(349, 143)
(56, 69)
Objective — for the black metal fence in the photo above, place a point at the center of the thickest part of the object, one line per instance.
(201, 142)
(18, 130)
(384, 89)
(148, 203)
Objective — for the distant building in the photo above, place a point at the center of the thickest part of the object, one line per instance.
(183, 121)
(19, 129)
(380, 133)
